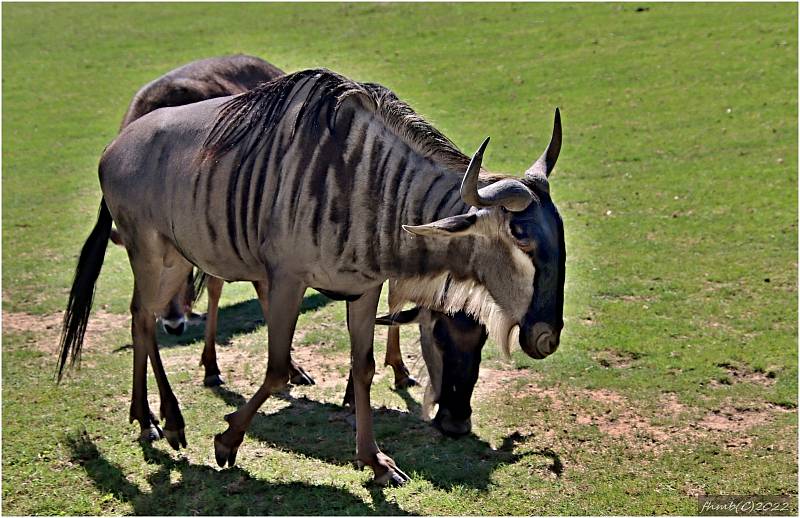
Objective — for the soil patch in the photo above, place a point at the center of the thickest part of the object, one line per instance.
(661, 427)
(48, 327)
(743, 374)
(611, 359)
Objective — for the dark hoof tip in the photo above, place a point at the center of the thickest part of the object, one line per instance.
(151, 434)
(393, 478)
(214, 380)
(223, 454)
(175, 438)
(405, 383)
(302, 379)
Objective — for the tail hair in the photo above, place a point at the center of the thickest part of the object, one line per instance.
(199, 283)
(81, 295)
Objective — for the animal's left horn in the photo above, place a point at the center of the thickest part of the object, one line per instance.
(545, 164)
(509, 193)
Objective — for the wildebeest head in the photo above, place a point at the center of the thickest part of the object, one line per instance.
(451, 346)
(520, 254)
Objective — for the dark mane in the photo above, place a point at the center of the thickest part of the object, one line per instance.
(256, 114)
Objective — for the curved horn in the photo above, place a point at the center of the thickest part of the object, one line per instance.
(509, 193)
(546, 163)
(469, 185)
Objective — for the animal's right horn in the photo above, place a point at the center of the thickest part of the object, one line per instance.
(545, 164)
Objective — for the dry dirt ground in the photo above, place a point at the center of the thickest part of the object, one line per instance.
(671, 424)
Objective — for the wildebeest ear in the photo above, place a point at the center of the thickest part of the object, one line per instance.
(408, 316)
(452, 226)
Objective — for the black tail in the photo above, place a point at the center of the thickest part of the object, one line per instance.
(199, 282)
(83, 286)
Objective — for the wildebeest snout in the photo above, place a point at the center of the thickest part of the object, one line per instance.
(540, 340)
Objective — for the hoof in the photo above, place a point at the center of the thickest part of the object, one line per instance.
(151, 433)
(214, 380)
(349, 400)
(175, 438)
(405, 383)
(302, 379)
(390, 474)
(393, 477)
(223, 453)
(300, 376)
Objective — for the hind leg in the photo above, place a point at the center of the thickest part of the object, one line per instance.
(209, 357)
(298, 375)
(140, 408)
(402, 378)
(159, 272)
(394, 358)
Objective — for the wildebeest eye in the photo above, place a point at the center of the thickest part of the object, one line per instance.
(518, 231)
(521, 237)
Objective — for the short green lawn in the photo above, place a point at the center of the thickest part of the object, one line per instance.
(677, 374)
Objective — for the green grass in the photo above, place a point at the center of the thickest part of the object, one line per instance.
(678, 187)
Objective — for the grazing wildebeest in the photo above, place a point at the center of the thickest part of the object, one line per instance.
(198, 81)
(454, 341)
(310, 180)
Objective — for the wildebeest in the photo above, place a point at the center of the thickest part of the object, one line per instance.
(454, 341)
(198, 81)
(310, 180)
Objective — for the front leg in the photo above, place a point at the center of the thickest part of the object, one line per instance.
(361, 326)
(285, 297)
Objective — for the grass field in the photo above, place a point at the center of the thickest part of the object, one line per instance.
(677, 182)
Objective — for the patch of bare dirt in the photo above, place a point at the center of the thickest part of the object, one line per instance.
(47, 328)
(671, 424)
(732, 419)
(743, 374)
(325, 369)
(611, 359)
(494, 380)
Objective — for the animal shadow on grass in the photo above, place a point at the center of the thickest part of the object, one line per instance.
(324, 431)
(205, 490)
(240, 318)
